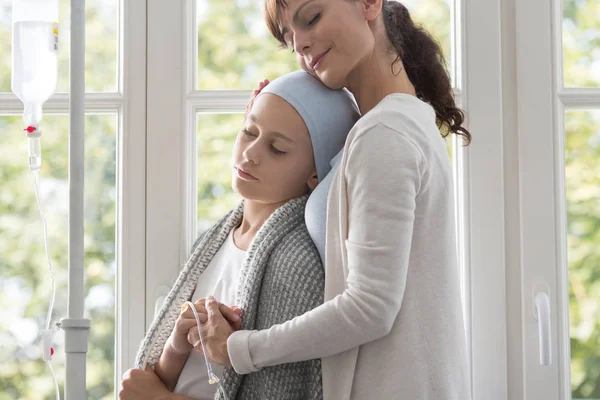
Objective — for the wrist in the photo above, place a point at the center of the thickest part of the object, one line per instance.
(169, 348)
(225, 352)
(170, 396)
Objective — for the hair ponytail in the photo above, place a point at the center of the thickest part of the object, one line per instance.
(425, 66)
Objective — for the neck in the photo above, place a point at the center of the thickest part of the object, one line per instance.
(375, 78)
(255, 215)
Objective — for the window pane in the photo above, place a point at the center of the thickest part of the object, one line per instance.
(235, 48)
(435, 16)
(216, 137)
(583, 227)
(102, 24)
(25, 284)
(581, 43)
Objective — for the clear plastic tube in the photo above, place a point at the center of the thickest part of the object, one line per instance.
(35, 152)
(212, 378)
(47, 249)
(55, 381)
(52, 274)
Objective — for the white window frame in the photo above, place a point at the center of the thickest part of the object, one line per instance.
(542, 101)
(483, 197)
(132, 164)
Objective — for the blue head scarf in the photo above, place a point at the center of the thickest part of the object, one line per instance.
(328, 114)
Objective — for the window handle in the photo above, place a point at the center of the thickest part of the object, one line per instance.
(541, 313)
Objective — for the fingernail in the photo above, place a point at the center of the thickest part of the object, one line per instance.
(184, 307)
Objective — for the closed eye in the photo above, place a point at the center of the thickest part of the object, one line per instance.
(277, 152)
(315, 19)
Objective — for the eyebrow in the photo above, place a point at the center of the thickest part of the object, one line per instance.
(295, 18)
(277, 134)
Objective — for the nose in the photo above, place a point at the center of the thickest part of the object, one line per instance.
(302, 42)
(252, 153)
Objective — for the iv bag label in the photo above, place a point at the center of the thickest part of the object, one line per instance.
(54, 44)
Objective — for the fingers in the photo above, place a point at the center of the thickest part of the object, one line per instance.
(132, 374)
(188, 313)
(187, 320)
(128, 389)
(194, 339)
(212, 306)
(200, 303)
(261, 85)
(236, 325)
(185, 324)
(127, 374)
(230, 315)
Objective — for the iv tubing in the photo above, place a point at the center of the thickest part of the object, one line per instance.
(212, 378)
(52, 273)
(55, 381)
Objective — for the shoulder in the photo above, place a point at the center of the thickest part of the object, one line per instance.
(297, 247)
(400, 112)
(382, 150)
(400, 128)
(398, 120)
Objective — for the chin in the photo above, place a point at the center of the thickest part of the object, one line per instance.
(241, 189)
(248, 193)
(332, 79)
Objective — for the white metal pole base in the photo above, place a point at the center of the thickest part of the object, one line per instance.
(76, 345)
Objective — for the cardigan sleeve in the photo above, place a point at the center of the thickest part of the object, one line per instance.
(383, 174)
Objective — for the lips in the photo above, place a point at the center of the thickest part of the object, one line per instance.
(315, 61)
(242, 173)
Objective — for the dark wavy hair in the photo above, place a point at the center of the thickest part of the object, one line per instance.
(421, 55)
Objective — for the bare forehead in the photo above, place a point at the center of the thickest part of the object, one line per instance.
(280, 14)
(288, 11)
(270, 112)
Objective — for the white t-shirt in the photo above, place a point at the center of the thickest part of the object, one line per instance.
(219, 279)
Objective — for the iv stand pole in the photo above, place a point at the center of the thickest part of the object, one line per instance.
(75, 326)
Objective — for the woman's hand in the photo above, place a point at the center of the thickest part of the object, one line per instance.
(186, 323)
(255, 92)
(215, 333)
(142, 385)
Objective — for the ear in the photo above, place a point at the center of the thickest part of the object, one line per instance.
(313, 181)
(371, 8)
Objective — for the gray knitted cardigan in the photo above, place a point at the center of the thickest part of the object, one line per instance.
(282, 277)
